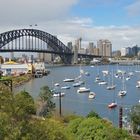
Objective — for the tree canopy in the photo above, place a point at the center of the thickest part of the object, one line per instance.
(135, 118)
(45, 104)
(96, 129)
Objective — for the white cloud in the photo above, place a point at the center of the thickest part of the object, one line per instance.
(53, 16)
(134, 8)
(31, 11)
(70, 30)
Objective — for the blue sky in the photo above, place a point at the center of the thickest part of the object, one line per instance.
(115, 20)
(106, 12)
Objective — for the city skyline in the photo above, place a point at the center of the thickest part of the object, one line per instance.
(91, 20)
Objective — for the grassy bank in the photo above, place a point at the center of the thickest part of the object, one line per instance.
(18, 80)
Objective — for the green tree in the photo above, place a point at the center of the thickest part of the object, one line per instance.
(96, 129)
(45, 104)
(93, 114)
(24, 105)
(135, 119)
(15, 110)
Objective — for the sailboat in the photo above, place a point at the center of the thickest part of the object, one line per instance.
(80, 82)
(123, 91)
(112, 86)
(114, 103)
(138, 84)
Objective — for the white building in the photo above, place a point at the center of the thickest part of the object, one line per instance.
(12, 68)
(105, 47)
(125, 51)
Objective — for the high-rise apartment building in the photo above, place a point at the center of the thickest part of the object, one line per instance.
(78, 43)
(123, 51)
(75, 59)
(135, 50)
(96, 51)
(91, 48)
(105, 47)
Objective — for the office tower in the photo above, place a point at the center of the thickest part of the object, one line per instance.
(91, 48)
(105, 48)
(76, 47)
(96, 51)
(78, 43)
(135, 50)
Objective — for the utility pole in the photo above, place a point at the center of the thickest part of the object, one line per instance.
(60, 112)
(120, 116)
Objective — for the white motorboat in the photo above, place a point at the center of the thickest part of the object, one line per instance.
(128, 78)
(87, 73)
(105, 72)
(102, 83)
(83, 89)
(116, 75)
(138, 84)
(91, 95)
(122, 92)
(56, 84)
(68, 80)
(97, 79)
(112, 105)
(65, 87)
(76, 84)
(111, 87)
(57, 94)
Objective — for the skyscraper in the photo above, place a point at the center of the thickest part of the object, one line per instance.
(91, 48)
(105, 47)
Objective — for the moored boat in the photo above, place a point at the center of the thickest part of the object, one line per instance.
(68, 80)
(111, 87)
(138, 84)
(127, 78)
(57, 94)
(122, 92)
(83, 89)
(87, 73)
(76, 84)
(102, 83)
(91, 95)
(56, 84)
(112, 105)
(65, 87)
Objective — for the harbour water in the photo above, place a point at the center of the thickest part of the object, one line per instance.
(79, 103)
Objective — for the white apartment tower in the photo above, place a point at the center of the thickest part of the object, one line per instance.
(105, 47)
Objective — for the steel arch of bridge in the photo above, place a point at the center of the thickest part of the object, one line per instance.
(57, 47)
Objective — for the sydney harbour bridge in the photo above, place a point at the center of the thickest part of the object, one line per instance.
(33, 40)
